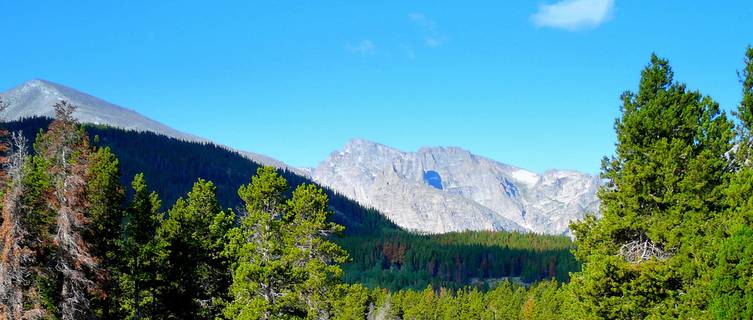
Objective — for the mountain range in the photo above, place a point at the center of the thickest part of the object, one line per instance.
(432, 190)
(441, 189)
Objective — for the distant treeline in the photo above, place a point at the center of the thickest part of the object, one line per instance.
(396, 260)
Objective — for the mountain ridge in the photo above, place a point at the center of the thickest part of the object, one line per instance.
(443, 189)
(37, 96)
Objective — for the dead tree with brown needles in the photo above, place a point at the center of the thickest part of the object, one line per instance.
(17, 299)
(66, 148)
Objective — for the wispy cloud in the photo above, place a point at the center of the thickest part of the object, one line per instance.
(364, 47)
(432, 37)
(573, 14)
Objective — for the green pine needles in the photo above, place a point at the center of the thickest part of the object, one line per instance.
(283, 264)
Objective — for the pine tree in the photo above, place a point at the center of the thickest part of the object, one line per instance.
(18, 300)
(143, 254)
(105, 196)
(421, 305)
(648, 255)
(317, 259)
(262, 272)
(284, 265)
(195, 232)
(66, 149)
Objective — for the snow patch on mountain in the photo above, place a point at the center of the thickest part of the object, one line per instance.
(527, 177)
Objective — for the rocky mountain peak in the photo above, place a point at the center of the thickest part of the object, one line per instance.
(36, 97)
(440, 189)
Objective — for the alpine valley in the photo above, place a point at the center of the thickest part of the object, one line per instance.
(432, 190)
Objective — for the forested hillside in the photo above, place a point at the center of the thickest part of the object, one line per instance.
(675, 239)
(172, 166)
(382, 254)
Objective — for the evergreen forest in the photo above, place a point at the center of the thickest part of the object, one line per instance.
(101, 223)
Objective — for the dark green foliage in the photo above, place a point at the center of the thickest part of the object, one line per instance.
(403, 260)
(650, 254)
(263, 274)
(105, 196)
(732, 290)
(41, 225)
(143, 256)
(317, 259)
(195, 272)
(355, 302)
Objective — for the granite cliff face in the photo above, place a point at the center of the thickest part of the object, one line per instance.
(438, 190)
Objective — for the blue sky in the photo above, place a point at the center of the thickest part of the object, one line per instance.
(529, 83)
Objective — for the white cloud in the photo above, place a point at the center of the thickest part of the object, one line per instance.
(573, 14)
(364, 47)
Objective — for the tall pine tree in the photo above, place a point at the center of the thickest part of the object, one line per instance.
(197, 275)
(647, 256)
(318, 260)
(105, 197)
(262, 273)
(143, 255)
(284, 266)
